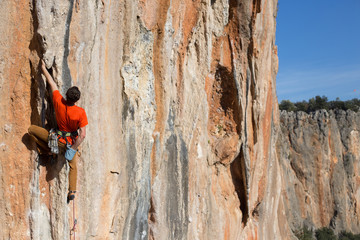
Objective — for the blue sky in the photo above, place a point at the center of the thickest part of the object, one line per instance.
(319, 49)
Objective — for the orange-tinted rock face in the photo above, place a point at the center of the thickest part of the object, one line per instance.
(15, 113)
(181, 103)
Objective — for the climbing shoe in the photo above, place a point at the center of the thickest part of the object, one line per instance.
(71, 196)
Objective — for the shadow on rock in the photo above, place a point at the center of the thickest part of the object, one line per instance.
(27, 141)
(53, 164)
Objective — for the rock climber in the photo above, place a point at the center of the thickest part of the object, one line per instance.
(71, 131)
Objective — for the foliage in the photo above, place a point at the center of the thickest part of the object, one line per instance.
(325, 234)
(302, 106)
(318, 103)
(348, 236)
(287, 105)
(304, 234)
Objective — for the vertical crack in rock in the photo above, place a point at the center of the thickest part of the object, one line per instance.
(238, 174)
(35, 116)
(251, 53)
(37, 85)
(250, 83)
(66, 76)
(39, 96)
(256, 6)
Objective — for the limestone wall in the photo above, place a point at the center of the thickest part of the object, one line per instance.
(319, 158)
(183, 119)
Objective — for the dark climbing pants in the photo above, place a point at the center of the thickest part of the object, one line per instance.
(40, 136)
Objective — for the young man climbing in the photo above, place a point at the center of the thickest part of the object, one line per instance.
(71, 121)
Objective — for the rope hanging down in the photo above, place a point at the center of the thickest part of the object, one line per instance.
(73, 230)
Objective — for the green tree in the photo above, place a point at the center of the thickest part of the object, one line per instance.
(321, 103)
(325, 234)
(353, 104)
(302, 106)
(311, 105)
(304, 234)
(337, 104)
(318, 103)
(348, 236)
(287, 105)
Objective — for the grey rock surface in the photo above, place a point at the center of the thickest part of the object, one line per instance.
(320, 157)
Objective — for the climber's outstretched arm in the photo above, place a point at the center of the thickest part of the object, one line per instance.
(48, 77)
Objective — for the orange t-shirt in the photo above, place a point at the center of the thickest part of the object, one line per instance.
(68, 118)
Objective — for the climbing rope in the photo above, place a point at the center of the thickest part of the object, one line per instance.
(43, 113)
(73, 230)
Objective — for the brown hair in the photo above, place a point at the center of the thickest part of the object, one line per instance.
(73, 94)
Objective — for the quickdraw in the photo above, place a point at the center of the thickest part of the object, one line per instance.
(53, 142)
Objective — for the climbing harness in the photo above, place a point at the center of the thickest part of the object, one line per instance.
(55, 135)
(73, 230)
(64, 135)
(53, 141)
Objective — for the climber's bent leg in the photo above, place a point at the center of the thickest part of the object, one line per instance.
(40, 136)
